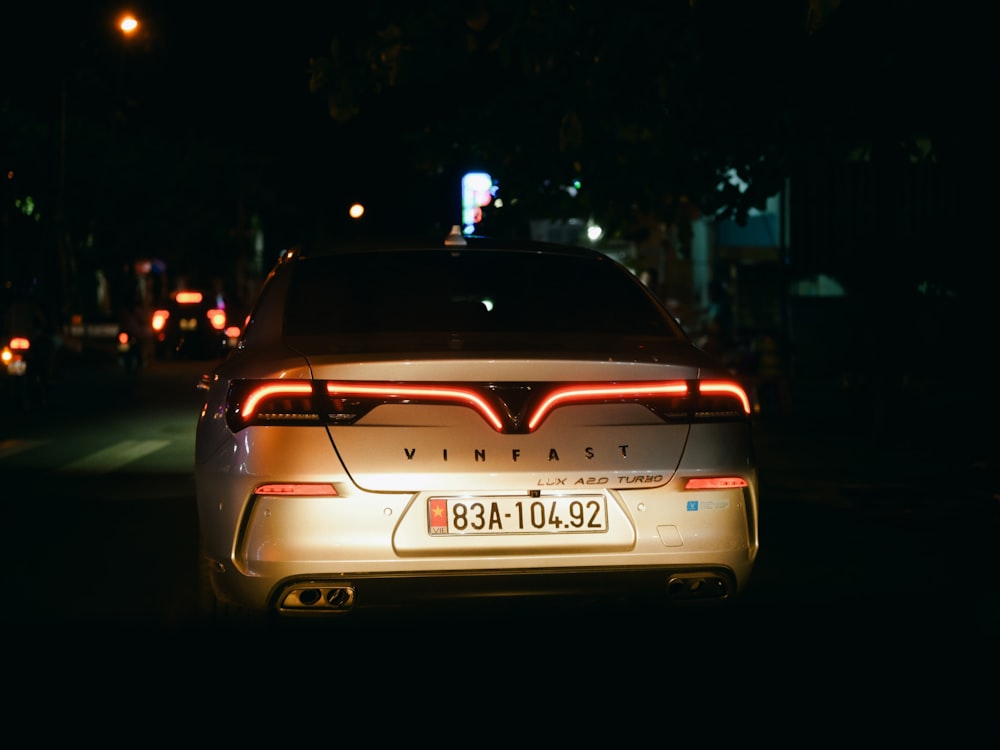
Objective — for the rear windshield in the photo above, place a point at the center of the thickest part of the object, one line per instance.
(472, 292)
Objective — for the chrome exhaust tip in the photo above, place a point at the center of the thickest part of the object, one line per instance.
(316, 597)
(697, 587)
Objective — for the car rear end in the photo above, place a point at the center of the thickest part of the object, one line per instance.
(192, 325)
(468, 429)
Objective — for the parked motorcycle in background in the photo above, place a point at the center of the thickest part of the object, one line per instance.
(18, 376)
(15, 355)
(130, 345)
(26, 348)
(130, 352)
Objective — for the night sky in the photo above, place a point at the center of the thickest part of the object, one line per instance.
(222, 90)
(215, 99)
(231, 67)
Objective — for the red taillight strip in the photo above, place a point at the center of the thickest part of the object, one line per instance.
(724, 387)
(435, 393)
(300, 489)
(576, 394)
(19, 342)
(289, 388)
(470, 396)
(715, 483)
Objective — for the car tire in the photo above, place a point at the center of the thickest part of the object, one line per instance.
(214, 613)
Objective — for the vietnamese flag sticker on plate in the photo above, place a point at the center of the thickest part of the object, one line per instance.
(437, 515)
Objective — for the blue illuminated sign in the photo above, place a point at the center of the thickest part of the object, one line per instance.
(477, 191)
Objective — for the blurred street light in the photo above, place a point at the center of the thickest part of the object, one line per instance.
(128, 25)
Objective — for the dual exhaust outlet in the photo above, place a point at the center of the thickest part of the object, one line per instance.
(697, 587)
(311, 596)
(317, 598)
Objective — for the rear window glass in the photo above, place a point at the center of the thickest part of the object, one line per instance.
(479, 291)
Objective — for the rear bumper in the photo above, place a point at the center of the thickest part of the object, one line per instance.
(337, 595)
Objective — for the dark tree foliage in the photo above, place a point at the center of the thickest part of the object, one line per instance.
(891, 129)
(173, 143)
(121, 154)
(652, 105)
(648, 105)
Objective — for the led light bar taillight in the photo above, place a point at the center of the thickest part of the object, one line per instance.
(716, 393)
(430, 393)
(344, 402)
(279, 400)
(576, 394)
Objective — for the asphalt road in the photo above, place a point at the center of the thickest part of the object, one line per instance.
(875, 551)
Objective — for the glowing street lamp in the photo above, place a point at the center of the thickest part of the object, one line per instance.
(128, 24)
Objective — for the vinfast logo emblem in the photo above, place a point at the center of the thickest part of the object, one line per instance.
(509, 408)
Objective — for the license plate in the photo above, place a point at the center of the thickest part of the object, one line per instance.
(448, 516)
(188, 324)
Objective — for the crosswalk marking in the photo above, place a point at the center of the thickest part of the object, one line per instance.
(114, 457)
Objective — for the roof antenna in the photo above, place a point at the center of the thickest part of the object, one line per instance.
(455, 237)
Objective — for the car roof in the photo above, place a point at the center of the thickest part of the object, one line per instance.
(453, 241)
